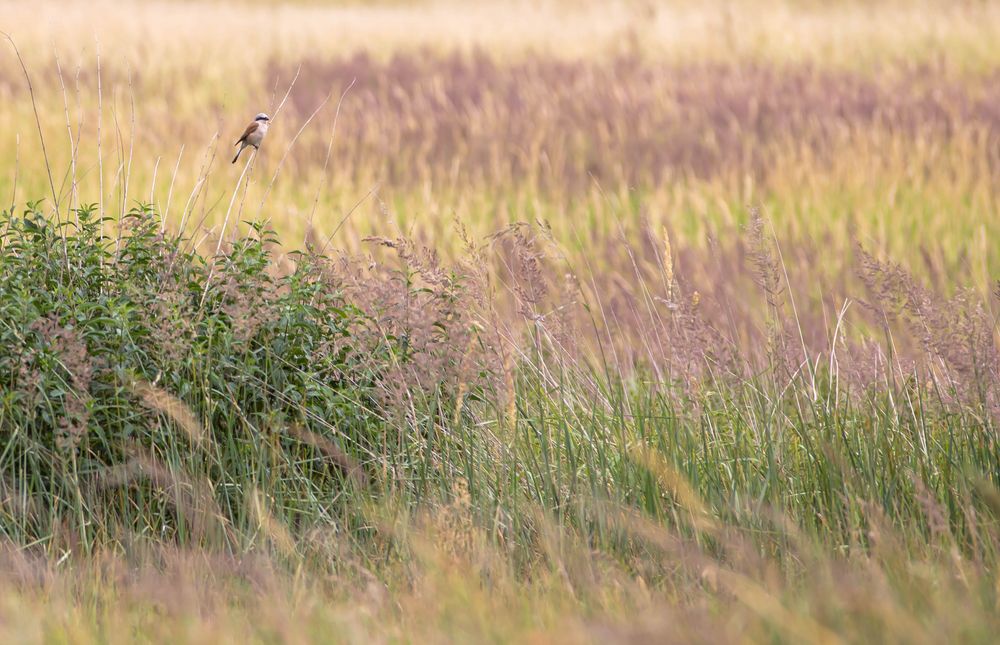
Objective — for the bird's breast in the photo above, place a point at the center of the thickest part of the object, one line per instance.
(255, 137)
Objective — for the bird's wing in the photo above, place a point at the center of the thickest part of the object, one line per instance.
(246, 133)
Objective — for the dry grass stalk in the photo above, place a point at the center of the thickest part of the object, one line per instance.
(193, 498)
(277, 533)
(668, 264)
(174, 409)
(675, 483)
(331, 451)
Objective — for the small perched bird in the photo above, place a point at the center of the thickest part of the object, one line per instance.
(254, 134)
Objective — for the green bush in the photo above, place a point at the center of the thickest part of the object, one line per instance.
(117, 350)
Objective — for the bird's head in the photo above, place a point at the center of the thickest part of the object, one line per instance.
(262, 117)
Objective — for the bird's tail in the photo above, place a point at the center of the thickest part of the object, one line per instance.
(238, 152)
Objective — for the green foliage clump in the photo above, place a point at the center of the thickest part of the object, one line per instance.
(118, 351)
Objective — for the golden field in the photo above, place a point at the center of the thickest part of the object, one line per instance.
(555, 321)
(438, 138)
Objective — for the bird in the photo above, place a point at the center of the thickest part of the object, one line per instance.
(254, 134)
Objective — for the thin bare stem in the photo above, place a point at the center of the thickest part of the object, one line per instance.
(69, 132)
(120, 141)
(120, 173)
(288, 92)
(225, 223)
(100, 152)
(197, 244)
(131, 137)
(38, 120)
(372, 191)
(202, 178)
(152, 184)
(288, 149)
(170, 191)
(329, 150)
(795, 313)
(246, 186)
(79, 132)
(17, 164)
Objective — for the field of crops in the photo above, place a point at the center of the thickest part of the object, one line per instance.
(552, 322)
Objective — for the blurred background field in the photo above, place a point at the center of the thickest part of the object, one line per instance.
(667, 320)
(868, 121)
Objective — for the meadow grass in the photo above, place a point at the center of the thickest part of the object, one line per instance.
(331, 430)
(679, 324)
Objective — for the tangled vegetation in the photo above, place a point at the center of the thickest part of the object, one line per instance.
(299, 404)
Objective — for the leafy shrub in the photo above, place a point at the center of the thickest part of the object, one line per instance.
(122, 351)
